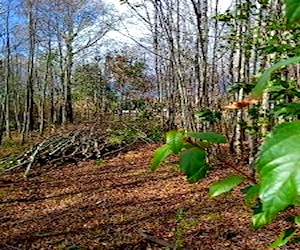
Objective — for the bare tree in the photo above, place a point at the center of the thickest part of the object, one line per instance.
(28, 122)
(78, 25)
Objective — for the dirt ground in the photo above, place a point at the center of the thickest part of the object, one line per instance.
(104, 205)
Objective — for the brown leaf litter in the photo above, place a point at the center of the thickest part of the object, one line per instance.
(103, 205)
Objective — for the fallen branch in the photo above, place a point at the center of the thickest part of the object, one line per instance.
(33, 157)
(154, 239)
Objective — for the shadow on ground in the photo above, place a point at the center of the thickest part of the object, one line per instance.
(86, 206)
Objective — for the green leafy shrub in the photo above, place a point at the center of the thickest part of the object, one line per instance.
(121, 136)
(287, 110)
(191, 148)
(208, 116)
(155, 134)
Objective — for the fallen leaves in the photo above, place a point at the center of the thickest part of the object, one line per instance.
(92, 207)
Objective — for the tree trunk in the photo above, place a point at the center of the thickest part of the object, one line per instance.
(7, 75)
(28, 122)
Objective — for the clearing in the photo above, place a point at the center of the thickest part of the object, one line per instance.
(105, 205)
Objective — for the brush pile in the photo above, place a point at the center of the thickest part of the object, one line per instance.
(87, 142)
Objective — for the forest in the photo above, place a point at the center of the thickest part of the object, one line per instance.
(149, 124)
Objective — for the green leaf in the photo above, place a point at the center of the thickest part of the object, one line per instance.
(175, 141)
(207, 115)
(297, 220)
(199, 175)
(292, 10)
(203, 144)
(259, 219)
(208, 136)
(264, 79)
(251, 194)
(204, 113)
(159, 156)
(225, 185)
(193, 163)
(278, 167)
(286, 110)
(284, 237)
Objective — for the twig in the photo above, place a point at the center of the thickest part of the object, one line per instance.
(249, 177)
(119, 149)
(12, 247)
(154, 239)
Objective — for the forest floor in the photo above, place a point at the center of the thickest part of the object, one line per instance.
(104, 205)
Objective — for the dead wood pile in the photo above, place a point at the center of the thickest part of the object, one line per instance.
(80, 144)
